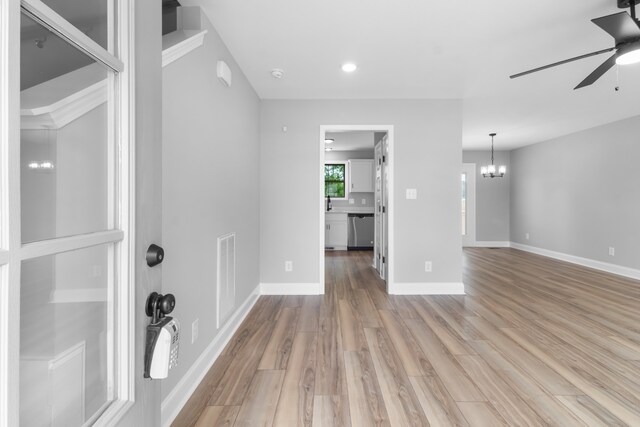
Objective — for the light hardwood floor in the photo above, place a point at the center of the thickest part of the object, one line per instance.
(534, 342)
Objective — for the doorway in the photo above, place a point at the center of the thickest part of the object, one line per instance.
(368, 195)
(468, 204)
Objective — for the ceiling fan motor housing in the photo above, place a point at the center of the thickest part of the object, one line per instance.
(623, 4)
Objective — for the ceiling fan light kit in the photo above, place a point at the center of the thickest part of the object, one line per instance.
(624, 28)
(489, 171)
(628, 54)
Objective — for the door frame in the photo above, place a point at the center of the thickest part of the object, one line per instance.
(470, 239)
(13, 252)
(390, 209)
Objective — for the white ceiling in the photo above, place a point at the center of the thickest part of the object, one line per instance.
(427, 49)
(356, 140)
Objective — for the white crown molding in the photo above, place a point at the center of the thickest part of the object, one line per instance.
(291, 289)
(177, 44)
(180, 394)
(585, 262)
(427, 288)
(66, 110)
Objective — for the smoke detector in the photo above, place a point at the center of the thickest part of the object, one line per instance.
(277, 73)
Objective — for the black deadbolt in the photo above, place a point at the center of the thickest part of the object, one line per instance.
(155, 255)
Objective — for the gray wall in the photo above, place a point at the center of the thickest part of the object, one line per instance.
(492, 197)
(210, 187)
(428, 150)
(579, 194)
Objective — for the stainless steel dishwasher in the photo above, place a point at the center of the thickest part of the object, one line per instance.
(361, 231)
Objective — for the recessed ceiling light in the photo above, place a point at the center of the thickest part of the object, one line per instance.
(349, 67)
(328, 148)
(329, 140)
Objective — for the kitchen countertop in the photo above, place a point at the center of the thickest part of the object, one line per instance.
(351, 210)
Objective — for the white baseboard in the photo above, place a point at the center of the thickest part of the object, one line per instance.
(488, 244)
(427, 288)
(585, 262)
(178, 397)
(291, 289)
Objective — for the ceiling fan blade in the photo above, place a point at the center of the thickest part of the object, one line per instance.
(555, 64)
(620, 26)
(598, 72)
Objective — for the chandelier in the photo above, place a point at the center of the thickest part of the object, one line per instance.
(490, 170)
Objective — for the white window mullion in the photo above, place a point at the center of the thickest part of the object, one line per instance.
(4, 257)
(65, 244)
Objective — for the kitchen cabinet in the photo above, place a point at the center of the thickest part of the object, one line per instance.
(335, 230)
(361, 176)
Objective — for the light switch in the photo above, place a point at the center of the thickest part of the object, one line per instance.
(412, 193)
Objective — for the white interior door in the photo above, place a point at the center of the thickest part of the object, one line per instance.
(468, 204)
(384, 271)
(377, 247)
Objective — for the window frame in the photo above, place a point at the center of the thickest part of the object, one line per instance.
(345, 164)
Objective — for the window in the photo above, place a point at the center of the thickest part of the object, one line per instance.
(335, 178)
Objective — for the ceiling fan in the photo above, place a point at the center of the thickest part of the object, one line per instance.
(624, 28)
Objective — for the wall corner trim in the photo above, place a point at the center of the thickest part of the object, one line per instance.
(178, 397)
(427, 288)
(585, 262)
(179, 43)
(290, 289)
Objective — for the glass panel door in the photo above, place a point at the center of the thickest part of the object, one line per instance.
(66, 173)
(65, 220)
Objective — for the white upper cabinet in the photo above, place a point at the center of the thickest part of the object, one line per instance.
(361, 176)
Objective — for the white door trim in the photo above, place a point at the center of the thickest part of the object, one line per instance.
(390, 192)
(9, 218)
(470, 239)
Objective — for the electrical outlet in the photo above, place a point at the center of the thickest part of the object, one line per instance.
(364, 201)
(194, 331)
(411, 193)
(352, 201)
(526, 236)
(288, 266)
(428, 266)
(612, 251)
